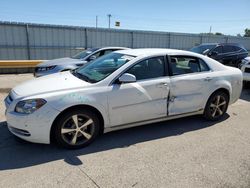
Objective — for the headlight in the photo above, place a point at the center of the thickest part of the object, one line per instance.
(29, 106)
(41, 69)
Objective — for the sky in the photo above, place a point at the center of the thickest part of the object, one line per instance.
(230, 17)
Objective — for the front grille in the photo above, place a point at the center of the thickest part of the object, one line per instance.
(247, 70)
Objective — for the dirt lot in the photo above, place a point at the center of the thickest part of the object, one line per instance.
(188, 152)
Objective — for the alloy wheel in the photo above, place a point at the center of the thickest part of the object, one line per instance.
(218, 106)
(77, 129)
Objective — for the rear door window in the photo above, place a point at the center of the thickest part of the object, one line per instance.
(236, 48)
(228, 49)
(218, 49)
(186, 65)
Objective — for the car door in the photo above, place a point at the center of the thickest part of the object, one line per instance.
(229, 54)
(144, 99)
(189, 83)
(217, 53)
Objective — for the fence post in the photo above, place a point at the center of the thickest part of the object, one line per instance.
(169, 40)
(27, 40)
(132, 39)
(86, 38)
(201, 39)
(226, 39)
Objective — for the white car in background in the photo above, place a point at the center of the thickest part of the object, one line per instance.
(71, 63)
(245, 68)
(122, 89)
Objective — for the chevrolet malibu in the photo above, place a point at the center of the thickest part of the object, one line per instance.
(119, 90)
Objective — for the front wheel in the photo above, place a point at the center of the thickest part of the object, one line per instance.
(216, 106)
(76, 129)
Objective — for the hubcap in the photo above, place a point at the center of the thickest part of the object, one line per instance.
(77, 129)
(218, 106)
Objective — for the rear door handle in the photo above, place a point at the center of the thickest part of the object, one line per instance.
(162, 84)
(207, 79)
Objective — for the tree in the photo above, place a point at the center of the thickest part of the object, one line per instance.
(247, 32)
(217, 33)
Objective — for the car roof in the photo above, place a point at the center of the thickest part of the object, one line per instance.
(155, 51)
(113, 47)
(224, 44)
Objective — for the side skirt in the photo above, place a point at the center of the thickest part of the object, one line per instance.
(119, 127)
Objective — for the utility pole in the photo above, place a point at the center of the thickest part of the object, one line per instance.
(96, 21)
(210, 30)
(109, 16)
(210, 33)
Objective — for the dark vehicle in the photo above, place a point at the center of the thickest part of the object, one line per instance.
(226, 53)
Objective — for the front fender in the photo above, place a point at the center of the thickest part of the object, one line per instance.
(73, 99)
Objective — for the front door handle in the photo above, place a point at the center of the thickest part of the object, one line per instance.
(207, 79)
(162, 84)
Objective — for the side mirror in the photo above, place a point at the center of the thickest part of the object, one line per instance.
(127, 78)
(205, 51)
(84, 62)
(93, 57)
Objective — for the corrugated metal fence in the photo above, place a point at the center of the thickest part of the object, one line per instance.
(36, 41)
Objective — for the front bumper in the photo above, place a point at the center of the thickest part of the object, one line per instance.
(33, 127)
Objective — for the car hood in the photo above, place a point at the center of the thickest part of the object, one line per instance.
(60, 61)
(51, 83)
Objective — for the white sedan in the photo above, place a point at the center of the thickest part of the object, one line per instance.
(122, 89)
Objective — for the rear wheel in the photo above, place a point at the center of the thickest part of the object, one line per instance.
(77, 129)
(216, 106)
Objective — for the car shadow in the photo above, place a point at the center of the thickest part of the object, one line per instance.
(16, 153)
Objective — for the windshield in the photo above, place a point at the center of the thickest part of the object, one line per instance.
(102, 67)
(201, 48)
(84, 53)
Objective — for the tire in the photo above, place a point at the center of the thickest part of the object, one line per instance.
(76, 129)
(216, 106)
(246, 84)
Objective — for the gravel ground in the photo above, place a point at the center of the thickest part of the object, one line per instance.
(188, 152)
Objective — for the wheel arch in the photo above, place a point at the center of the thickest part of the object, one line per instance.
(81, 106)
(223, 89)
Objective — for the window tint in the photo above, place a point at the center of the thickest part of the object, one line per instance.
(102, 67)
(184, 65)
(107, 52)
(227, 49)
(218, 49)
(98, 54)
(150, 68)
(203, 66)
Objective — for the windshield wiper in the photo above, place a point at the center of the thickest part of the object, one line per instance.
(82, 77)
